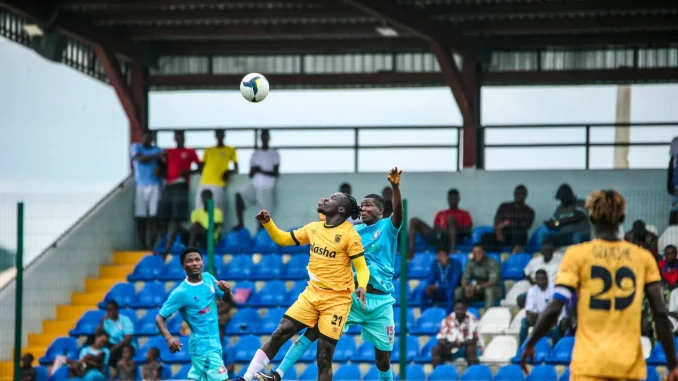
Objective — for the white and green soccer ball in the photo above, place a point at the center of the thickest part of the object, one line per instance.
(254, 87)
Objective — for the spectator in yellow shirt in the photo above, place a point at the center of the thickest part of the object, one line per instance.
(200, 222)
(216, 169)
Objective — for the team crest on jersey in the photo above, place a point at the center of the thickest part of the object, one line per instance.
(376, 235)
(222, 369)
(337, 238)
(212, 289)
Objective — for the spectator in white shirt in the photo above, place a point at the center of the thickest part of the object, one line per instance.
(538, 297)
(457, 338)
(547, 261)
(264, 173)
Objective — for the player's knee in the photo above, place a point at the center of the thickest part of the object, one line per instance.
(284, 332)
(383, 360)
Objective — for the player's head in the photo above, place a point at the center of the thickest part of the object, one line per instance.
(112, 309)
(265, 137)
(191, 261)
(443, 256)
(670, 253)
(220, 134)
(147, 137)
(205, 196)
(478, 253)
(453, 198)
(541, 279)
(520, 194)
(180, 138)
(460, 310)
(372, 209)
(345, 188)
(340, 204)
(153, 354)
(607, 209)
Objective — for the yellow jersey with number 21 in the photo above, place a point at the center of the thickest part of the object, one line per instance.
(609, 278)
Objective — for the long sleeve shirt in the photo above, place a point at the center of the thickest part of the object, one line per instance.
(445, 277)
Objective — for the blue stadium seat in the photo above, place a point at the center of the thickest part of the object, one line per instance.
(565, 376)
(495, 256)
(474, 311)
(310, 373)
(263, 243)
(174, 323)
(244, 285)
(41, 373)
(270, 295)
(424, 356)
(412, 349)
(372, 374)
(182, 373)
(178, 357)
(60, 346)
(345, 349)
(172, 270)
(541, 352)
(652, 374)
(311, 354)
(131, 314)
(429, 321)
(410, 319)
(291, 374)
(148, 269)
(245, 348)
(176, 248)
(270, 267)
(543, 373)
(347, 373)
(240, 267)
(414, 373)
(462, 259)
(420, 265)
(534, 243)
(146, 325)
(295, 268)
(657, 356)
(270, 321)
(122, 293)
(514, 267)
(478, 232)
(153, 342)
(281, 354)
(151, 296)
(444, 373)
(235, 241)
(477, 373)
(60, 375)
(365, 353)
(396, 292)
(420, 244)
(354, 329)
(509, 373)
(88, 323)
(293, 293)
(562, 352)
(245, 321)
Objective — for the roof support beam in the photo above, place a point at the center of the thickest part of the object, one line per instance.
(412, 20)
(453, 79)
(122, 89)
(46, 14)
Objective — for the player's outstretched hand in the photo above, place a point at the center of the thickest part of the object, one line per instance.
(673, 375)
(360, 293)
(394, 176)
(264, 217)
(174, 344)
(528, 354)
(224, 286)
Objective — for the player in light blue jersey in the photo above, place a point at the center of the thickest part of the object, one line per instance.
(196, 300)
(379, 236)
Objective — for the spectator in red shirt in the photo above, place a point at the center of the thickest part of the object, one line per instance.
(511, 224)
(173, 206)
(669, 267)
(449, 226)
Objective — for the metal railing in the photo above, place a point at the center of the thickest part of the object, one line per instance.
(582, 137)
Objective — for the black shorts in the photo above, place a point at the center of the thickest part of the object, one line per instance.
(173, 203)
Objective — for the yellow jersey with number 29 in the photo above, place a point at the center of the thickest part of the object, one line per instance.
(609, 278)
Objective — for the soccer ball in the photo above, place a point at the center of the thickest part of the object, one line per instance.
(254, 87)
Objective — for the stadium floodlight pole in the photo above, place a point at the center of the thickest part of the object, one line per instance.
(19, 292)
(403, 293)
(210, 237)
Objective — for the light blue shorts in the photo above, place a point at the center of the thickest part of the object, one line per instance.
(376, 320)
(208, 367)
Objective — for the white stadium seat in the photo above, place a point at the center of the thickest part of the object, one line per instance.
(500, 350)
(518, 288)
(514, 327)
(495, 321)
(647, 346)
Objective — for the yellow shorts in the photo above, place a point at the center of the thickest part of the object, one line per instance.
(592, 378)
(327, 308)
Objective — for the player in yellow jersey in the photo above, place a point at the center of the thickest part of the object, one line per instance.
(609, 275)
(327, 299)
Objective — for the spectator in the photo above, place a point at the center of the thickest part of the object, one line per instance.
(119, 330)
(672, 185)
(173, 207)
(200, 222)
(264, 173)
(669, 267)
(457, 338)
(570, 219)
(216, 170)
(640, 236)
(480, 280)
(126, 368)
(387, 195)
(152, 368)
(443, 279)
(511, 224)
(547, 261)
(92, 364)
(450, 226)
(148, 184)
(538, 297)
(28, 373)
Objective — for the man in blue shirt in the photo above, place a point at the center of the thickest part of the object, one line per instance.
(379, 236)
(145, 157)
(443, 279)
(196, 301)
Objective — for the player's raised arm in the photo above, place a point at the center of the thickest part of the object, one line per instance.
(397, 215)
(278, 236)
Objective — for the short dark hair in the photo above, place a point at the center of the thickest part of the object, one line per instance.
(113, 303)
(671, 247)
(520, 187)
(265, 131)
(478, 245)
(179, 132)
(541, 272)
(187, 251)
(378, 199)
(453, 191)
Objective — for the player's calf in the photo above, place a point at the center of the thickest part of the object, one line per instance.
(324, 359)
(383, 361)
